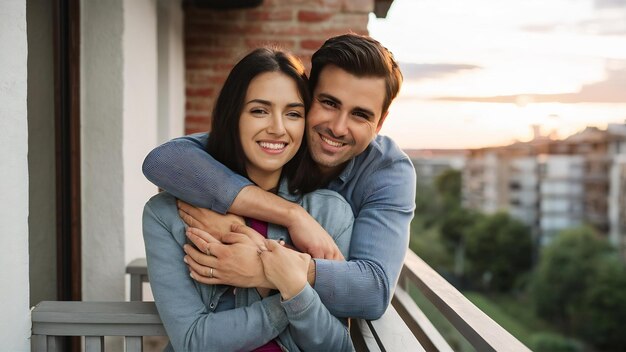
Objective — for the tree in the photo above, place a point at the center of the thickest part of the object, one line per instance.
(601, 314)
(498, 249)
(564, 272)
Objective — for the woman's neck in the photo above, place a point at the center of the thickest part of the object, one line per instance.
(266, 180)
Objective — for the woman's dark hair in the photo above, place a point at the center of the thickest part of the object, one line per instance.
(225, 145)
(361, 56)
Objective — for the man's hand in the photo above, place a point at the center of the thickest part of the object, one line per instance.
(214, 223)
(285, 268)
(310, 237)
(234, 262)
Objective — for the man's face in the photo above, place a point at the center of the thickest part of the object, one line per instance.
(344, 117)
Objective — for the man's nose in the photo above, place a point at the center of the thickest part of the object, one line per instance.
(339, 125)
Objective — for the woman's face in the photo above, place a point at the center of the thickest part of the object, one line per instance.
(271, 126)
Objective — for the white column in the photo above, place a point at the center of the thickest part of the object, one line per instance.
(15, 317)
(140, 115)
(171, 66)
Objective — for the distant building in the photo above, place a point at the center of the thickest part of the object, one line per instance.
(551, 185)
(430, 163)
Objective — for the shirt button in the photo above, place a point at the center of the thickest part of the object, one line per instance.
(212, 305)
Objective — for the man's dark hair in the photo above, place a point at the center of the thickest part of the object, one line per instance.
(225, 144)
(361, 56)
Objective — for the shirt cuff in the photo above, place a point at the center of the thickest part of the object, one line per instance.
(297, 304)
(236, 184)
(275, 312)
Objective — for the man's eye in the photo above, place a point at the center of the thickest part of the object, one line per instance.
(361, 115)
(329, 103)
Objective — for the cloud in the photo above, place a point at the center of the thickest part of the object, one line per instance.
(611, 90)
(416, 72)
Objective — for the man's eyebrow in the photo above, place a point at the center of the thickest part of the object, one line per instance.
(329, 97)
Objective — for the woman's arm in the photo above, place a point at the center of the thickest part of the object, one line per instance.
(190, 324)
(311, 325)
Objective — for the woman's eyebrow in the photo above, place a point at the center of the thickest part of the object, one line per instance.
(295, 105)
(260, 101)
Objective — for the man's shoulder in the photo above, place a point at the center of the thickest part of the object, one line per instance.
(163, 205)
(381, 153)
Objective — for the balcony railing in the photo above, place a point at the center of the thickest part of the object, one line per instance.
(403, 327)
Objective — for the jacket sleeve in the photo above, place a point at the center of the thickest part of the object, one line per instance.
(311, 324)
(362, 287)
(190, 324)
(183, 168)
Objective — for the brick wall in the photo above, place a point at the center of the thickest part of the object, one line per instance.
(215, 40)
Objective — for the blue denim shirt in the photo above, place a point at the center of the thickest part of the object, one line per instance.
(200, 317)
(379, 185)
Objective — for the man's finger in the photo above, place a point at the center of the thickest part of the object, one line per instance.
(232, 237)
(202, 234)
(187, 219)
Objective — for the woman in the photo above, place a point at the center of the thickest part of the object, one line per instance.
(257, 131)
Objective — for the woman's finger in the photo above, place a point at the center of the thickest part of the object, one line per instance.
(203, 279)
(201, 257)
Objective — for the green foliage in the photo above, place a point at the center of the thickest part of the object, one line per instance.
(600, 316)
(564, 272)
(499, 250)
(548, 342)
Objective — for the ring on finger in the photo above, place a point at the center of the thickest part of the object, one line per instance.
(211, 273)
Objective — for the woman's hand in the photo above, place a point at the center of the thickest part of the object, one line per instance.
(235, 262)
(285, 268)
(214, 223)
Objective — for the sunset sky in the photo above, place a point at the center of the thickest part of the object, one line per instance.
(481, 72)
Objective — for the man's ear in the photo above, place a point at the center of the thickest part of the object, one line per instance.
(380, 122)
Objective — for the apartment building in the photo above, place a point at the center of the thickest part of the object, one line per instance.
(551, 185)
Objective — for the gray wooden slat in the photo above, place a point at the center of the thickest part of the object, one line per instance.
(137, 266)
(136, 287)
(96, 312)
(134, 344)
(428, 336)
(53, 343)
(94, 344)
(38, 343)
(479, 330)
(367, 337)
(392, 334)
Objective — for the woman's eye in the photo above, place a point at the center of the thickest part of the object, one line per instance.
(295, 114)
(258, 111)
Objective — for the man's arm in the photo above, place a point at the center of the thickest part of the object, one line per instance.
(363, 286)
(183, 168)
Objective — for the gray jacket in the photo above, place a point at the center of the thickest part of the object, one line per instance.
(200, 317)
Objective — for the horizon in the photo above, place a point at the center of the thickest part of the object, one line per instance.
(486, 79)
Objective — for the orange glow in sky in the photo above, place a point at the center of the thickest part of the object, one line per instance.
(481, 72)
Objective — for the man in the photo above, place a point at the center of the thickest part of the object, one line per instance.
(353, 80)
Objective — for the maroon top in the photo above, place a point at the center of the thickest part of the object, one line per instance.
(261, 227)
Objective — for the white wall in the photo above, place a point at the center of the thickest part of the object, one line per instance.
(171, 65)
(131, 49)
(102, 169)
(140, 115)
(15, 317)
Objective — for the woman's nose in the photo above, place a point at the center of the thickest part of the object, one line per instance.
(276, 126)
